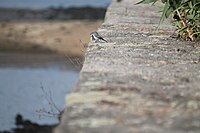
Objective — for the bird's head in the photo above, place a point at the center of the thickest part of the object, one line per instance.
(93, 34)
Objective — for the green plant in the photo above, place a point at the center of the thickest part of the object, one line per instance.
(186, 16)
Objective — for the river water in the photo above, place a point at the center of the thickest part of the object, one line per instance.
(52, 3)
(28, 81)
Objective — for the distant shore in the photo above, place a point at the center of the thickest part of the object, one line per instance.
(63, 37)
(51, 13)
(57, 30)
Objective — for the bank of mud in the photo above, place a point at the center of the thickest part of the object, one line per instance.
(64, 37)
(58, 30)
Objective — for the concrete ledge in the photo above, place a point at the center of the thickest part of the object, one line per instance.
(141, 81)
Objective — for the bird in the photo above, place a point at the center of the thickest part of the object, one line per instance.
(95, 37)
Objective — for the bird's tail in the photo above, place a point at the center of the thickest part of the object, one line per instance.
(104, 40)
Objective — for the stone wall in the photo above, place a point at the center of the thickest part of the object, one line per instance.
(142, 81)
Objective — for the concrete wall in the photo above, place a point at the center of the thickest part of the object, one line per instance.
(141, 81)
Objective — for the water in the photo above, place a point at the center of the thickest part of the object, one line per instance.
(55, 3)
(21, 89)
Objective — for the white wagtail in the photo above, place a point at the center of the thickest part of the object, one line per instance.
(95, 37)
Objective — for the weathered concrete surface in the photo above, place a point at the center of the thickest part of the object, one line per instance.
(142, 81)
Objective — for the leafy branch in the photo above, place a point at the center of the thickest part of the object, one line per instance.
(186, 16)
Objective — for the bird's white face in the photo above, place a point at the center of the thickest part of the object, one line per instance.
(92, 34)
(92, 37)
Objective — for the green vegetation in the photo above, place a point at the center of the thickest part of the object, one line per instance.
(186, 16)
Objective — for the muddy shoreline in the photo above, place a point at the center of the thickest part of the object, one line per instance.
(52, 30)
(26, 126)
(62, 37)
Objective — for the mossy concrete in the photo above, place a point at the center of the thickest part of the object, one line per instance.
(142, 81)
